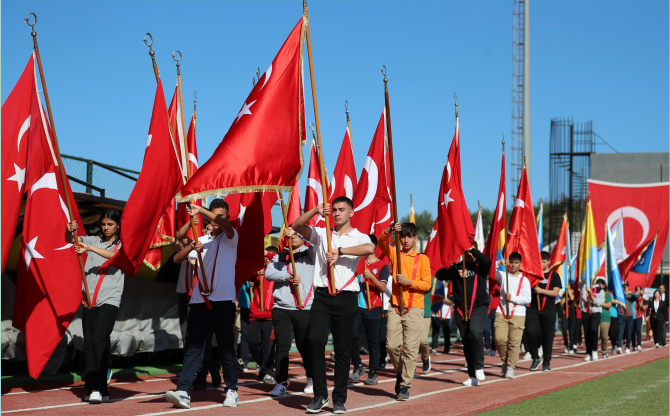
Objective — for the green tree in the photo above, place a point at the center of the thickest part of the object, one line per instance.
(424, 223)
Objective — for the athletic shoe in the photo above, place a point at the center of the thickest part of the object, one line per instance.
(571, 352)
(613, 350)
(339, 408)
(232, 399)
(317, 404)
(595, 356)
(503, 372)
(639, 347)
(539, 351)
(588, 357)
(523, 348)
(527, 356)
(546, 367)
(633, 349)
(492, 353)
(509, 373)
(627, 350)
(178, 398)
(574, 348)
(656, 345)
(309, 387)
(566, 350)
(472, 381)
(248, 369)
(382, 364)
(479, 375)
(426, 365)
(372, 379)
(95, 397)
(403, 394)
(605, 356)
(433, 351)
(618, 350)
(241, 366)
(268, 379)
(357, 373)
(279, 390)
(109, 375)
(535, 365)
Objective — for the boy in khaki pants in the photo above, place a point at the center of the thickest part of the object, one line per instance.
(509, 327)
(405, 329)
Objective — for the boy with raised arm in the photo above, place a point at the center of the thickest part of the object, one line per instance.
(335, 308)
(405, 327)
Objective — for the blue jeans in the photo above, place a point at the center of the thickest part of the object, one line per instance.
(625, 329)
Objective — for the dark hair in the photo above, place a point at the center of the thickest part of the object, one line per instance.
(515, 256)
(218, 203)
(659, 293)
(373, 239)
(638, 287)
(114, 215)
(343, 199)
(408, 229)
(625, 284)
(272, 249)
(545, 255)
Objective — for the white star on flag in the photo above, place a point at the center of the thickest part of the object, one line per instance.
(447, 200)
(31, 252)
(432, 234)
(243, 210)
(19, 176)
(244, 110)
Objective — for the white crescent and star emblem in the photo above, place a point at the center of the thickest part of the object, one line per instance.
(373, 175)
(19, 176)
(243, 210)
(244, 110)
(24, 127)
(31, 252)
(632, 213)
(432, 234)
(268, 73)
(447, 200)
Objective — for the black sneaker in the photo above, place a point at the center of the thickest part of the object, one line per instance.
(317, 404)
(358, 372)
(403, 394)
(372, 379)
(546, 367)
(426, 365)
(339, 408)
(382, 365)
(398, 379)
(535, 365)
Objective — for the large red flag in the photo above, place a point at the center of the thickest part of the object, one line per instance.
(522, 233)
(384, 213)
(453, 220)
(495, 243)
(263, 147)
(371, 195)
(293, 211)
(182, 216)
(560, 252)
(314, 191)
(432, 250)
(49, 281)
(15, 125)
(155, 187)
(343, 182)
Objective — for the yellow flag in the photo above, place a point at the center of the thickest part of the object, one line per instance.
(412, 219)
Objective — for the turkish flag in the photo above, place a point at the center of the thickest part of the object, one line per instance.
(293, 211)
(314, 191)
(49, 281)
(645, 210)
(384, 214)
(432, 250)
(495, 243)
(343, 182)
(15, 126)
(522, 233)
(560, 252)
(453, 220)
(372, 193)
(263, 147)
(155, 187)
(182, 216)
(250, 214)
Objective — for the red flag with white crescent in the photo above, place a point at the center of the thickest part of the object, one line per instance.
(293, 211)
(314, 191)
(343, 181)
(182, 216)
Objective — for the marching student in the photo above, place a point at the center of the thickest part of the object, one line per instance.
(424, 347)
(441, 316)
(541, 318)
(243, 304)
(405, 329)
(625, 317)
(261, 332)
(375, 272)
(473, 309)
(213, 311)
(509, 329)
(290, 317)
(383, 325)
(640, 309)
(614, 321)
(185, 280)
(591, 306)
(605, 319)
(98, 321)
(337, 309)
(489, 331)
(658, 318)
(563, 321)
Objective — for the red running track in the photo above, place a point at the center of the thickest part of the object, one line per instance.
(437, 392)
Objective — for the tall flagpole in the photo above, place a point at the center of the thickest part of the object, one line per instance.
(398, 268)
(56, 149)
(505, 256)
(322, 168)
(290, 244)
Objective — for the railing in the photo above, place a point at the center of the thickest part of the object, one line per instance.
(108, 181)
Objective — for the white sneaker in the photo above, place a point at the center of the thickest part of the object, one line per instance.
(566, 350)
(279, 390)
(509, 373)
(539, 351)
(232, 399)
(528, 356)
(309, 387)
(618, 350)
(627, 350)
(471, 382)
(656, 346)
(571, 352)
(95, 397)
(588, 357)
(178, 398)
(595, 356)
(639, 347)
(479, 375)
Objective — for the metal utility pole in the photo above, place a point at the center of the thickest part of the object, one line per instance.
(526, 88)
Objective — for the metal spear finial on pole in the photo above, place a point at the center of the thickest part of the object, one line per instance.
(152, 53)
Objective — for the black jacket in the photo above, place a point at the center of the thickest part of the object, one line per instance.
(481, 267)
(661, 314)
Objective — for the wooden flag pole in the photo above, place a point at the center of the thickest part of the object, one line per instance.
(290, 245)
(188, 167)
(322, 168)
(506, 254)
(56, 150)
(398, 268)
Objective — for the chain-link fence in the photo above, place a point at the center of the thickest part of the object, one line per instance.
(91, 177)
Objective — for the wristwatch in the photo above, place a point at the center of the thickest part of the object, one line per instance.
(339, 251)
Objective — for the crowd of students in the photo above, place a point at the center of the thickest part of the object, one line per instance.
(390, 301)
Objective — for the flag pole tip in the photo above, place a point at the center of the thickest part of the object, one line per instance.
(173, 57)
(27, 20)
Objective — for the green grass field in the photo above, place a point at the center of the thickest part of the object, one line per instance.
(637, 391)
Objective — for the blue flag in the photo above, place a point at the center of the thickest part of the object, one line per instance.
(644, 262)
(612, 268)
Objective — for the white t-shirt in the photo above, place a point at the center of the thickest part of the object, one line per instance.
(345, 267)
(185, 267)
(223, 286)
(388, 293)
(520, 301)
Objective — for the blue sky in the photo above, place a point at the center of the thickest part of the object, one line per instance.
(590, 60)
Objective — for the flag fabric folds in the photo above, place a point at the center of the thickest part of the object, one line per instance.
(643, 263)
(559, 261)
(588, 249)
(293, 211)
(495, 242)
(344, 179)
(432, 250)
(479, 230)
(182, 216)
(522, 233)
(156, 186)
(612, 268)
(540, 232)
(271, 122)
(314, 191)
